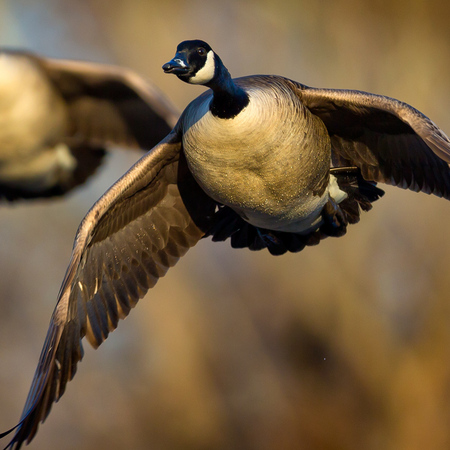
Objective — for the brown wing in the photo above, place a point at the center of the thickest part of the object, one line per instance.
(138, 229)
(388, 140)
(111, 105)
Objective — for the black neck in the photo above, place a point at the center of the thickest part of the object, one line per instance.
(228, 99)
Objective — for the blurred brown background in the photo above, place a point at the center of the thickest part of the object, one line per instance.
(343, 346)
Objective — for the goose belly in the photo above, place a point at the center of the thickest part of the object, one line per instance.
(269, 164)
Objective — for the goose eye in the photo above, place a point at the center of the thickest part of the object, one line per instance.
(201, 51)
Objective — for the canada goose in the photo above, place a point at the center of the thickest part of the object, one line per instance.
(58, 116)
(263, 160)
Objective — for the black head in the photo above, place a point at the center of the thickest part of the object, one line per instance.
(194, 62)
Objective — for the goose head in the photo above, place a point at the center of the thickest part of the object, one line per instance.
(194, 62)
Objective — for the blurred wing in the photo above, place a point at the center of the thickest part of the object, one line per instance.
(138, 229)
(110, 105)
(388, 140)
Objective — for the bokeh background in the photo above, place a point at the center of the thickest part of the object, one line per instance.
(343, 346)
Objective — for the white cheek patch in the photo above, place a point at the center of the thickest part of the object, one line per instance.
(206, 73)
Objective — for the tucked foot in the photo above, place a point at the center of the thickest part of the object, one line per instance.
(334, 222)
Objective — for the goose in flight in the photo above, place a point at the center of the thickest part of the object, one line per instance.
(57, 117)
(264, 161)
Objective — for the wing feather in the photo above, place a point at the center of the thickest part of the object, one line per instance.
(138, 229)
(389, 140)
(110, 104)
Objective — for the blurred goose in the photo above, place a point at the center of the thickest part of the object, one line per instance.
(263, 160)
(56, 118)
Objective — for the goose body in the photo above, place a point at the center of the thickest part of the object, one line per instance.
(263, 161)
(57, 117)
(242, 162)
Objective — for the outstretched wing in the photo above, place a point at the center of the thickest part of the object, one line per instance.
(138, 229)
(388, 140)
(111, 105)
